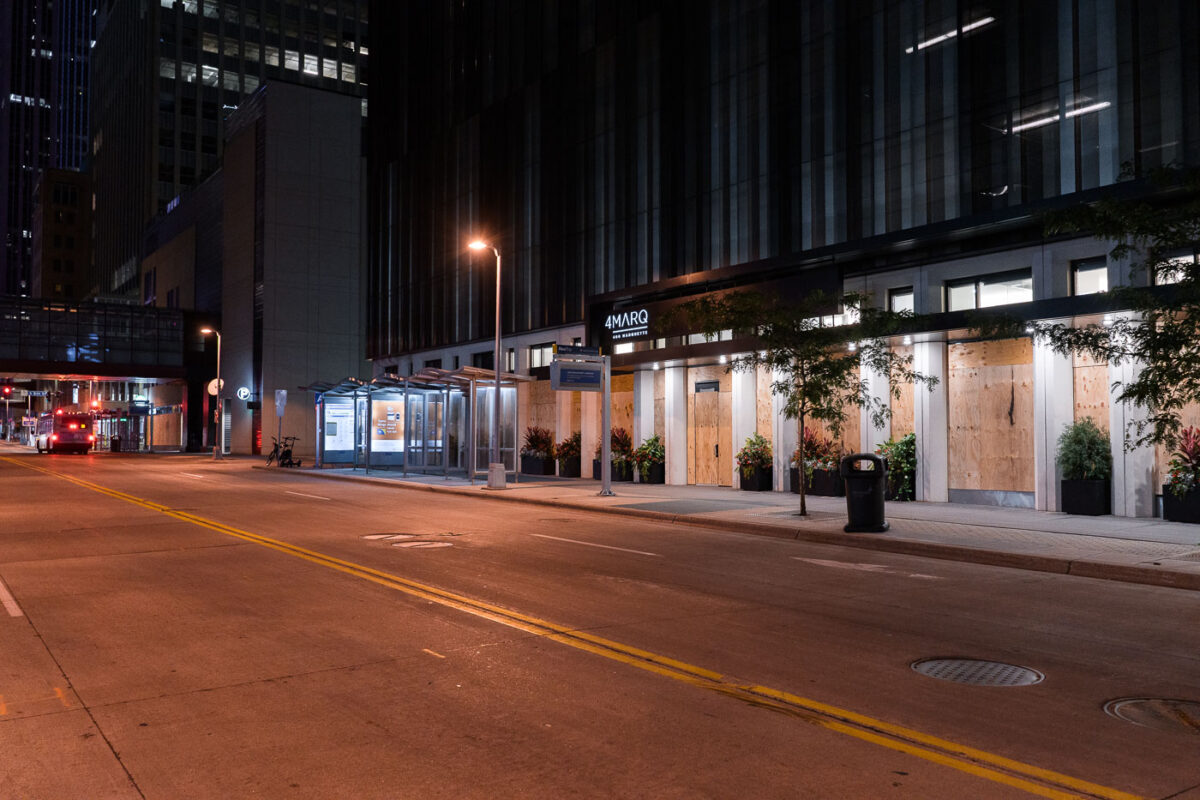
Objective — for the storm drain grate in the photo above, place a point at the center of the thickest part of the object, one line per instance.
(977, 673)
(1158, 713)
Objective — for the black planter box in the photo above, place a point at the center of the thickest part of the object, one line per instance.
(537, 465)
(825, 483)
(655, 473)
(621, 470)
(760, 479)
(1181, 509)
(568, 468)
(1090, 497)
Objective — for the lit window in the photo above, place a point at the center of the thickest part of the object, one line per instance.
(1089, 276)
(272, 55)
(166, 68)
(210, 43)
(1174, 270)
(540, 355)
(310, 65)
(623, 347)
(291, 60)
(990, 290)
(901, 300)
(510, 360)
(252, 52)
(329, 69)
(348, 73)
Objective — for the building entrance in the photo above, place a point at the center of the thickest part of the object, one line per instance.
(711, 433)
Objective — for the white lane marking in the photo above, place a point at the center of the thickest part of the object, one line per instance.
(302, 494)
(191, 475)
(9, 603)
(377, 536)
(422, 545)
(593, 544)
(820, 562)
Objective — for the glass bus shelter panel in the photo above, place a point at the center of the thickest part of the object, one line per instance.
(388, 427)
(457, 435)
(508, 427)
(337, 427)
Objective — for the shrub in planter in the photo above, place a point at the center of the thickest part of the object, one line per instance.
(1181, 493)
(820, 458)
(621, 451)
(651, 457)
(1085, 458)
(754, 462)
(569, 451)
(537, 452)
(901, 455)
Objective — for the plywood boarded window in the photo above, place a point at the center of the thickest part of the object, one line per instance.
(991, 415)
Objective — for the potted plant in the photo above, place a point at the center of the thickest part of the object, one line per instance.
(621, 453)
(537, 452)
(1085, 458)
(901, 457)
(1181, 493)
(651, 458)
(819, 457)
(754, 462)
(569, 451)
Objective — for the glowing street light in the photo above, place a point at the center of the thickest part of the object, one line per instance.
(496, 475)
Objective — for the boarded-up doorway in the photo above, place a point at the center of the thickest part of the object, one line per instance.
(711, 433)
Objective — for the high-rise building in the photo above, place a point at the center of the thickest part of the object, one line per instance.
(44, 48)
(167, 75)
(624, 156)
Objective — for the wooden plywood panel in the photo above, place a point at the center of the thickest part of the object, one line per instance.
(622, 411)
(1091, 391)
(576, 411)
(725, 448)
(710, 373)
(707, 406)
(660, 419)
(541, 405)
(903, 407)
(762, 395)
(622, 383)
(991, 416)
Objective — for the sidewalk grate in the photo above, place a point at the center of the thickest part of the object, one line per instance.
(1158, 713)
(975, 672)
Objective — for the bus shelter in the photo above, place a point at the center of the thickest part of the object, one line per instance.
(432, 422)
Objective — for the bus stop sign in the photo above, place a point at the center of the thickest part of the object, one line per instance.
(280, 401)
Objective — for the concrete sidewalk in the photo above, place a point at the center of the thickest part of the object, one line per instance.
(1147, 551)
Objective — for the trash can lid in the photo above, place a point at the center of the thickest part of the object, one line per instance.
(847, 467)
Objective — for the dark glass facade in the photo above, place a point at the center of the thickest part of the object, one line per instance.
(44, 49)
(159, 125)
(606, 146)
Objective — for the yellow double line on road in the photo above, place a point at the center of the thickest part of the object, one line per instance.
(1016, 774)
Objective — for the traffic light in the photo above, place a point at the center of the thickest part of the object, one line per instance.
(6, 391)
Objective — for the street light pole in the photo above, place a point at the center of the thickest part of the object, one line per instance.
(496, 476)
(219, 448)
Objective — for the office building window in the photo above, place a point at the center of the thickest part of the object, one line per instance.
(901, 299)
(510, 360)
(1174, 271)
(434, 363)
(1089, 276)
(990, 290)
(540, 355)
(483, 359)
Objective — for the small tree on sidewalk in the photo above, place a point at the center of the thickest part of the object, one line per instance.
(818, 367)
(1160, 333)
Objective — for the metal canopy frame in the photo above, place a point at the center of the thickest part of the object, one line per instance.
(467, 380)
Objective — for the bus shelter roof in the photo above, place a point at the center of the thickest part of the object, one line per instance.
(427, 378)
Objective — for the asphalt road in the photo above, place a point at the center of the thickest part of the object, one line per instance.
(173, 627)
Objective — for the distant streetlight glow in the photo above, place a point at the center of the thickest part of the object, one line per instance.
(219, 449)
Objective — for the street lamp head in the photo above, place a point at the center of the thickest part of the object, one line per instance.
(478, 244)
(207, 330)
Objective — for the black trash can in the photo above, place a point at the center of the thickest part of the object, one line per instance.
(114, 444)
(865, 490)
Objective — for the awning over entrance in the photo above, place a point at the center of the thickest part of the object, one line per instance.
(425, 422)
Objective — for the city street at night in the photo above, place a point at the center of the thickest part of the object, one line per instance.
(180, 627)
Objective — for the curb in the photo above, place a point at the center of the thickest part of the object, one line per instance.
(1125, 573)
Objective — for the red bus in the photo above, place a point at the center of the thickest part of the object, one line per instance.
(65, 432)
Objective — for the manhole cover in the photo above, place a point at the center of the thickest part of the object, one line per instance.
(422, 545)
(977, 673)
(1156, 712)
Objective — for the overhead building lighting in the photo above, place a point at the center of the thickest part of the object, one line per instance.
(1075, 112)
(948, 35)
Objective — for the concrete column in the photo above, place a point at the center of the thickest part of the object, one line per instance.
(870, 435)
(675, 424)
(1133, 471)
(785, 436)
(589, 430)
(931, 423)
(744, 411)
(1053, 411)
(643, 406)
